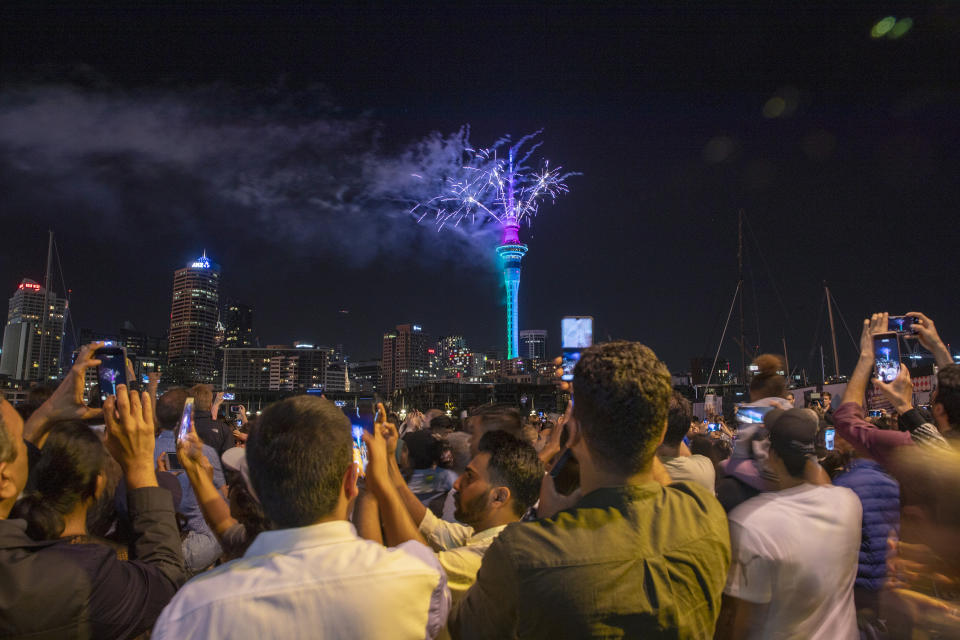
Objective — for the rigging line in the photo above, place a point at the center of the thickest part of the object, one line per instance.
(840, 313)
(773, 281)
(73, 328)
(723, 335)
(756, 304)
(816, 335)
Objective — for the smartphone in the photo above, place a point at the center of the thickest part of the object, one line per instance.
(229, 396)
(713, 426)
(173, 461)
(576, 334)
(886, 353)
(560, 463)
(112, 370)
(362, 419)
(901, 324)
(875, 413)
(186, 420)
(750, 415)
(828, 437)
(235, 408)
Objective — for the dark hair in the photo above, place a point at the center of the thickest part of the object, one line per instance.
(514, 464)
(170, 407)
(66, 475)
(441, 423)
(768, 381)
(948, 393)
(424, 449)
(248, 512)
(498, 417)
(202, 396)
(679, 418)
(621, 394)
(297, 454)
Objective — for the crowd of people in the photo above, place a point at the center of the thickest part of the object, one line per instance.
(626, 516)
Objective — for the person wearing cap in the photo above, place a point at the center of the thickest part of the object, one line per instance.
(238, 522)
(795, 550)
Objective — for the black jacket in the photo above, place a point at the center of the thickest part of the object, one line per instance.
(214, 433)
(55, 589)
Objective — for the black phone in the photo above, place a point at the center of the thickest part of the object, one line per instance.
(886, 354)
(901, 324)
(173, 461)
(111, 372)
(560, 463)
(576, 334)
(235, 408)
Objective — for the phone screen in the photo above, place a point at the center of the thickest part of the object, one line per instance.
(362, 419)
(173, 461)
(875, 413)
(576, 332)
(112, 370)
(828, 437)
(570, 359)
(713, 426)
(886, 353)
(751, 415)
(186, 419)
(901, 324)
(229, 396)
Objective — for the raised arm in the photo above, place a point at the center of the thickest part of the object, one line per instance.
(66, 403)
(930, 339)
(200, 472)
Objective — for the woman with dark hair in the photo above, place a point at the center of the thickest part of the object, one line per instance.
(68, 479)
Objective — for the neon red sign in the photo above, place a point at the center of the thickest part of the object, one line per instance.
(29, 285)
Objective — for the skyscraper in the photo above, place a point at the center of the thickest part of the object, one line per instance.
(406, 360)
(33, 337)
(238, 324)
(533, 344)
(194, 312)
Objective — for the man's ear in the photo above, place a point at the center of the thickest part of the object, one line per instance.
(663, 434)
(350, 490)
(501, 495)
(574, 434)
(101, 485)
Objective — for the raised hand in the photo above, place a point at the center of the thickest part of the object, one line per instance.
(66, 403)
(130, 435)
(899, 391)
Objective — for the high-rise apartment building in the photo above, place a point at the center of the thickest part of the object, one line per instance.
(33, 337)
(237, 320)
(533, 344)
(406, 358)
(194, 312)
(275, 368)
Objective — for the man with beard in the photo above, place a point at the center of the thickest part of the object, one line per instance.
(498, 486)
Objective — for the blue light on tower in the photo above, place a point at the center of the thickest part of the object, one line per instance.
(510, 256)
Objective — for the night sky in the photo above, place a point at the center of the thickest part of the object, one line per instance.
(143, 136)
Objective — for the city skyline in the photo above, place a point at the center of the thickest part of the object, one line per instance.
(149, 135)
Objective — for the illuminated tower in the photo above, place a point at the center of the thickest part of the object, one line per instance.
(511, 252)
(194, 312)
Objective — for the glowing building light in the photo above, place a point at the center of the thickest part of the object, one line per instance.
(883, 27)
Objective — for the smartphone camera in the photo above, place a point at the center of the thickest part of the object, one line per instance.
(886, 350)
(570, 359)
(901, 324)
(362, 419)
(186, 420)
(111, 372)
(828, 438)
(229, 396)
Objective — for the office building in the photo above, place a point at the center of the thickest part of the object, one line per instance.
(338, 377)
(365, 376)
(33, 336)
(237, 320)
(194, 313)
(533, 344)
(406, 358)
(274, 368)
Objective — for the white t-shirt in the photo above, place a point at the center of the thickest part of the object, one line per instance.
(796, 551)
(693, 468)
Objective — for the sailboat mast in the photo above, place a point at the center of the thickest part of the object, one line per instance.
(43, 373)
(743, 343)
(833, 333)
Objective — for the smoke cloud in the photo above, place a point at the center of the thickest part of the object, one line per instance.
(286, 167)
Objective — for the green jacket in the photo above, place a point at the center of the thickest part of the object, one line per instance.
(642, 561)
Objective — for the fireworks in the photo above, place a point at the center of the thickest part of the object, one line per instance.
(488, 187)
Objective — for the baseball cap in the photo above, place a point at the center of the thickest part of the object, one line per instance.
(235, 459)
(793, 431)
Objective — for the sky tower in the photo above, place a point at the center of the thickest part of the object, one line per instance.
(483, 189)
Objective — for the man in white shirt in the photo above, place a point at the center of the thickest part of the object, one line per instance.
(312, 577)
(498, 486)
(680, 464)
(795, 550)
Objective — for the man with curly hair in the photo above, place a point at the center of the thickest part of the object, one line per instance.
(631, 557)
